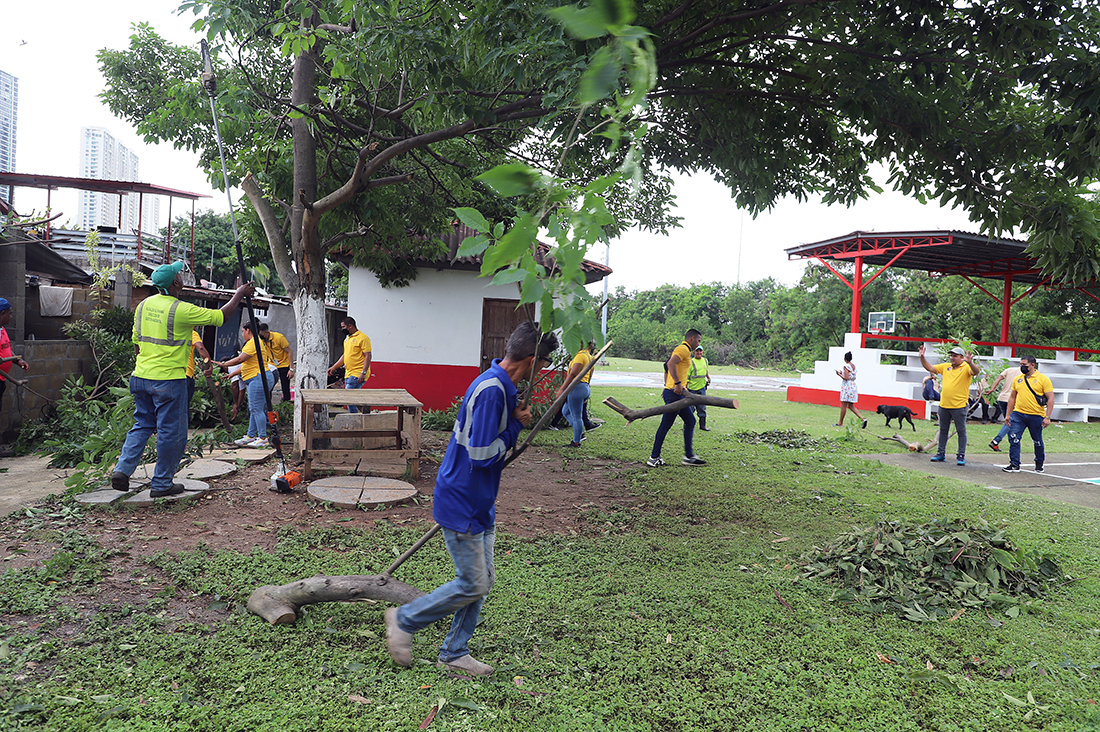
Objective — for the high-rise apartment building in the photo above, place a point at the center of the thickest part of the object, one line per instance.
(9, 108)
(105, 158)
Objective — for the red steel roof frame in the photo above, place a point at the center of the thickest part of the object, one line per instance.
(942, 253)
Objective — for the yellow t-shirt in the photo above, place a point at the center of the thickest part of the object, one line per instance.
(280, 348)
(1025, 400)
(162, 356)
(682, 368)
(583, 357)
(249, 367)
(356, 348)
(955, 393)
(195, 338)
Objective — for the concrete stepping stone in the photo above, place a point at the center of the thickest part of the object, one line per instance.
(194, 489)
(248, 454)
(203, 469)
(349, 491)
(101, 497)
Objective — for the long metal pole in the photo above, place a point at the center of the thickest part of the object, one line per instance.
(210, 84)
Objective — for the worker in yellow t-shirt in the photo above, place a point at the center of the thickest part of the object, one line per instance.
(254, 386)
(196, 342)
(284, 356)
(574, 405)
(356, 359)
(676, 373)
(1030, 405)
(954, 397)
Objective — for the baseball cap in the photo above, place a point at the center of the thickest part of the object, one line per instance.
(958, 351)
(165, 275)
(4, 304)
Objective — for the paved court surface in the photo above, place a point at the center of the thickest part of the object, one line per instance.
(1069, 477)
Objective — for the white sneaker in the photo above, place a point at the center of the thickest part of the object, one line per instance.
(260, 443)
(243, 442)
(655, 462)
(398, 642)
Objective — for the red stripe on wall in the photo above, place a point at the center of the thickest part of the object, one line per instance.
(436, 386)
(868, 402)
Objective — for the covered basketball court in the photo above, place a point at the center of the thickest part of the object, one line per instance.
(993, 265)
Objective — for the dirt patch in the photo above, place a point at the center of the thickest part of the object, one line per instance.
(543, 492)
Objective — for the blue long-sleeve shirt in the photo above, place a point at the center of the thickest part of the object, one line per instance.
(469, 478)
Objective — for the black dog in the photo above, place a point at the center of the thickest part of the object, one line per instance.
(897, 412)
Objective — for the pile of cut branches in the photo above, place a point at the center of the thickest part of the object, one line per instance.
(789, 439)
(935, 570)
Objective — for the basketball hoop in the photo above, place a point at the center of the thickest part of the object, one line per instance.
(873, 331)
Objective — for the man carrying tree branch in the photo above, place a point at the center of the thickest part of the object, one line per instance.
(464, 503)
(676, 372)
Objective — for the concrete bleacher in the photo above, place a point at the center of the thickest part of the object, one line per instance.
(1076, 383)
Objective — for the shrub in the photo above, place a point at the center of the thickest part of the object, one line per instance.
(442, 420)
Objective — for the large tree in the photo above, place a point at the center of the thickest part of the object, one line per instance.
(361, 123)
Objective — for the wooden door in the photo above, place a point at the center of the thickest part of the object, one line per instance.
(498, 319)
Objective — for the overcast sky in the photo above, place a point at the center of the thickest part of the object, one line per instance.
(54, 57)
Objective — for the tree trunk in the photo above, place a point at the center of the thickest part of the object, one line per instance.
(688, 401)
(311, 357)
(279, 604)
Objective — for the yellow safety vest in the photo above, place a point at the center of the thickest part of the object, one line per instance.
(162, 332)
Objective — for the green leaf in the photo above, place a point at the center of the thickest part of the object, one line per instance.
(473, 246)
(510, 179)
(581, 23)
(511, 246)
(601, 77)
(508, 276)
(472, 218)
(465, 703)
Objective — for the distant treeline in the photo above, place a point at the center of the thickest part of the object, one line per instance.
(763, 323)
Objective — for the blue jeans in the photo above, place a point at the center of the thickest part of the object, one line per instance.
(947, 417)
(668, 419)
(257, 407)
(1034, 424)
(1003, 407)
(472, 555)
(574, 408)
(352, 382)
(161, 407)
(700, 409)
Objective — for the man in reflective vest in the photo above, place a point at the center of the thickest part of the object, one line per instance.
(162, 338)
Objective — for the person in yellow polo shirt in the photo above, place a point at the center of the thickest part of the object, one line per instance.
(573, 410)
(254, 386)
(954, 397)
(679, 363)
(196, 342)
(284, 356)
(1030, 405)
(162, 328)
(356, 359)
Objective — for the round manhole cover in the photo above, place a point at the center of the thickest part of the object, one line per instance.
(349, 491)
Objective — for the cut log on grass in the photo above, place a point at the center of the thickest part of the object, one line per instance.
(917, 446)
(689, 400)
(279, 604)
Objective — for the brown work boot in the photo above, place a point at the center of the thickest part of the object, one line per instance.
(467, 664)
(398, 641)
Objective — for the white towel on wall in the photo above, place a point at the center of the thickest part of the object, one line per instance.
(55, 302)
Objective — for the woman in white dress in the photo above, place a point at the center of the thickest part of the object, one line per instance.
(849, 395)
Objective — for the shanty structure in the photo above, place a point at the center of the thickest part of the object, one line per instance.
(435, 336)
(116, 187)
(991, 264)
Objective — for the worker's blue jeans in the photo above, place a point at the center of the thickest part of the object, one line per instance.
(1017, 421)
(257, 407)
(472, 555)
(161, 407)
(668, 419)
(574, 408)
(1003, 406)
(352, 382)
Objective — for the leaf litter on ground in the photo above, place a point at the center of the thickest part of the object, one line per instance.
(929, 571)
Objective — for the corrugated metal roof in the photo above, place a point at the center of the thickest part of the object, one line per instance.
(119, 187)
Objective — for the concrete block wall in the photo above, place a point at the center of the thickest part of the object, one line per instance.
(51, 363)
(41, 328)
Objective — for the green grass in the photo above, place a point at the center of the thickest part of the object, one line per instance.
(633, 364)
(665, 616)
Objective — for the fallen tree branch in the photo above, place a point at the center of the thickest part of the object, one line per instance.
(689, 400)
(917, 446)
(279, 604)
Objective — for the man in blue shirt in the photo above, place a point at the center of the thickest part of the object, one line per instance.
(464, 505)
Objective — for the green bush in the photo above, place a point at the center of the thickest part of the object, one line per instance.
(442, 420)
